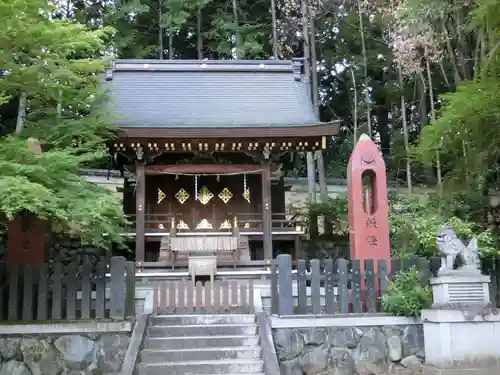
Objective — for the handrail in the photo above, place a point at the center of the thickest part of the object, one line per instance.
(134, 347)
(232, 214)
(254, 218)
(269, 355)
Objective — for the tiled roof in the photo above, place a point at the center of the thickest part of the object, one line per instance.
(193, 93)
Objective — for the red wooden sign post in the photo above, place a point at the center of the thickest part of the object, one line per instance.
(368, 207)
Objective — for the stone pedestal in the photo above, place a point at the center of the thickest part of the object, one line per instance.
(460, 289)
(461, 335)
(461, 327)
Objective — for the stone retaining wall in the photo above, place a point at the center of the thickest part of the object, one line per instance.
(377, 350)
(68, 354)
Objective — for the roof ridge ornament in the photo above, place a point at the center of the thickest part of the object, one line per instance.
(142, 65)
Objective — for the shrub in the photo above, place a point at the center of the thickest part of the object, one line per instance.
(413, 223)
(407, 293)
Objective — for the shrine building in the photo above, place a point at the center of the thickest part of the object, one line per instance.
(202, 139)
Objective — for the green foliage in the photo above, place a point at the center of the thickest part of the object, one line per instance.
(407, 293)
(413, 224)
(467, 133)
(42, 54)
(57, 64)
(49, 186)
(335, 211)
(415, 220)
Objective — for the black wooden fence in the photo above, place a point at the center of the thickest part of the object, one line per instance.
(344, 286)
(53, 292)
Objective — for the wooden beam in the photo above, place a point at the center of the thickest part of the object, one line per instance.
(140, 207)
(266, 210)
(235, 133)
(155, 146)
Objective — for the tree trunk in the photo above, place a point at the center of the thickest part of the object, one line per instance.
(404, 121)
(462, 45)
(199, 36)
(59, 104)
(21, 112)
(305, 34)
(160, 31)
(433, 116)
(171, 44)
(315, 97)
(314, 65)
(451, 54)
(323, 189)
(365, 70)
(275, 30)
(383, 127)
(354, 109)
(237, 30)
(424, 114)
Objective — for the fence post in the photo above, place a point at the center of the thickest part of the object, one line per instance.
(130, 289)
(285, 284)
(342, 266)
(117, 288)
(330, 303)
(13, 292)
(302, 286)
(27, 304)
(315, 286)
(357, 298)
(274, 287)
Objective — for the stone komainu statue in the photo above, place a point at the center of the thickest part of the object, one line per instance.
(450, 247)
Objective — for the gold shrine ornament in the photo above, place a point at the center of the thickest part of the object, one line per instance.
(161, 195)
(225, 225)
(225, 195)
(182, 196)
(204, 224)
(246, 195)
(205, 195)
(182, 225)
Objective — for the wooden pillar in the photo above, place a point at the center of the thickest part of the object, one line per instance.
(140, 209)
(311, 189)
(267, 224)
(311, 177)
(323, 189)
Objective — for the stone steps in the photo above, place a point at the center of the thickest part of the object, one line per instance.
(484, 367)
(201, 319)
(197, 342)
(201, 344)
(203, 367)
(208, 330)
(200, 354)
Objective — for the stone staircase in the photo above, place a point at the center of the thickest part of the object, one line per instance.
(201, 344)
